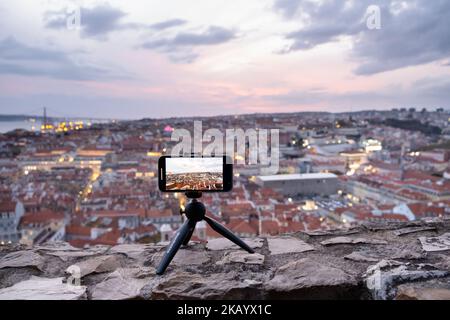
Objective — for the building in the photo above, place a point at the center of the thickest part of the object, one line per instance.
(354, 159)
(372, 145)
(10, 215)
(301, 184)
(43, 226)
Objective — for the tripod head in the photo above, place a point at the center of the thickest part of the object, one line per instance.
(193, 194)
(195, 210)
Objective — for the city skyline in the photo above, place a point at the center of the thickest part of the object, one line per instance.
(133, 60)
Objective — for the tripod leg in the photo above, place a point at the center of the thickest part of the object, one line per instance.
(189, 235)
(174, 246)
(227, 234)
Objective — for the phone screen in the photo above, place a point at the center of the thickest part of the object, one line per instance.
(199, 174)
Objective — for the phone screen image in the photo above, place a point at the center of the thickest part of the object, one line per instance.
(199, 174)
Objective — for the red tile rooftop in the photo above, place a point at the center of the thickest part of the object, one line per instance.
(266, 214)
(421, 210)
(284, 208)
(7, 206)
(114, 214)
(270, 227)
(386, 207)
(80, 243)
(41, 217)
(109, 238)
(416, 178)
(158, 213)
(293, 226)
(418, 175)
(358, 209)
(241, 226)
(312, 223)
(281, 207)
(413, 195)
(237, 206)
(78, 230)
(392, 187)
(287, 215)
(262, 202)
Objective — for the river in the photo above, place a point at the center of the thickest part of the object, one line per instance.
(6, 126)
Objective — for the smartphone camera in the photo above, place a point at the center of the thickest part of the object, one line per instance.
(204, 174)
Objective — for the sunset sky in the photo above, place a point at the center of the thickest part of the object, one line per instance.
(134, 58)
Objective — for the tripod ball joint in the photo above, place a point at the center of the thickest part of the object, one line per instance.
(195, 211)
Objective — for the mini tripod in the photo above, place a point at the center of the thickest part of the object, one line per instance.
(195, 212)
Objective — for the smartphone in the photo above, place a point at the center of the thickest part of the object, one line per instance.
(206, 174)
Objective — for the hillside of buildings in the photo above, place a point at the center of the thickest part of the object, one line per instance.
(96, 183)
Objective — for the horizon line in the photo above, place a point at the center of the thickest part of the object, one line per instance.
(446, 109)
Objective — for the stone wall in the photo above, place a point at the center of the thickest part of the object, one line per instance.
(372, 261)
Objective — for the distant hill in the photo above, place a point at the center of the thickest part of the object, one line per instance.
(17, 117)
(24, 117)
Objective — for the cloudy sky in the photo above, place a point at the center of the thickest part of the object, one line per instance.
(186, 165)
(134, 58)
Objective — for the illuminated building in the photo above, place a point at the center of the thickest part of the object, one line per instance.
(372, 145)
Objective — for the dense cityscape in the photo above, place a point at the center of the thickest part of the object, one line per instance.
(97, 184)
(194, 181)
